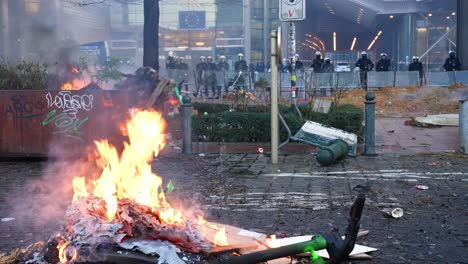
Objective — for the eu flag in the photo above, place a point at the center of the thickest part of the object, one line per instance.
(192, 19)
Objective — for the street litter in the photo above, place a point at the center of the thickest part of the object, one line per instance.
(201, 155)
(422, 187)
(433, 164)
(7, 219)
(259, 150)
(439, 120)
(393, 212)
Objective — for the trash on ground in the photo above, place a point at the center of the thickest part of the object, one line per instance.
(439, 120)
(422, 187)
(393, 212)
(201, 154)
(8, 219)
(433, 164)
(259, 150)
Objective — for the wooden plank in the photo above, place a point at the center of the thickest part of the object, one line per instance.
(156, 93)
(237, 238)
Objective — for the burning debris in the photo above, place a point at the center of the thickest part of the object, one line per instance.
(126, 205)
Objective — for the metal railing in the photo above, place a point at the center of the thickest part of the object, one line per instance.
(230, 80)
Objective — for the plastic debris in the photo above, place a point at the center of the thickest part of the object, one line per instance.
(422, 187)
(166, 251)
(7, 219)
(393, 212)
(170, 186)
(433, 164)
(259, 150)
(205, 113)
(201, 155)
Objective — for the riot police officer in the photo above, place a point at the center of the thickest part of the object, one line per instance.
(210, 76)
(328, 66)
(452, 63)
(365, 65)
(383, 64)
(317, 62)
(416, 65)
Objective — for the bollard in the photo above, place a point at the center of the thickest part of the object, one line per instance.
(463, 126)
(369, 133)
(187, 123)
(337, 150)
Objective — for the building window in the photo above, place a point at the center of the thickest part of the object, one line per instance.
(135, 14)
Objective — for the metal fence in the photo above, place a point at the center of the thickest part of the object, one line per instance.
(227, 81)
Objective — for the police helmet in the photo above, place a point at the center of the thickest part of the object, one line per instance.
(415, 58)
(363, 53)
(318, 53)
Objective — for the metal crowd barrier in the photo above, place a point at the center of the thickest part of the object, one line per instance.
(308, 80)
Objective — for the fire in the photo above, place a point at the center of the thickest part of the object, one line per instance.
(75, 70)
(129, 175)
(79, 188)
(62, 254)
(67, 86)
(220, 238)
(76, 84)
(273, 242)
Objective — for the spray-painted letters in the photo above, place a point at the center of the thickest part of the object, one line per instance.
(64, 117)
(69, 103)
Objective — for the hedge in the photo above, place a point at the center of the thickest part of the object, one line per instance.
(255, 126)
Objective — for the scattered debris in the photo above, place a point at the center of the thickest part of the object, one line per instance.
(433, 164)
(439, 120)
(422, 187)
(201, 154)
(166, 251)
(20, 255)
(259, 150)
(322, 106)
(393, 212)
(7, 219)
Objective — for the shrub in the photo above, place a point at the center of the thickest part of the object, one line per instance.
(254, 125)
(23, 76)
(210, 108)
(346, 117)
(240, 127)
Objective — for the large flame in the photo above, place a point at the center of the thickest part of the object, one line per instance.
(129, 175)
(62, 247)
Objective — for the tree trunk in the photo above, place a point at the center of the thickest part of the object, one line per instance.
(151, 34)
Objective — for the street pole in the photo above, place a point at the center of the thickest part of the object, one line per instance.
(369, 134)
(266, 30)
(292, 59)
(247, 34)
(274, 97)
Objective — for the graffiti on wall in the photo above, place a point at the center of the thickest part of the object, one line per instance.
(24, 107)
(64, 109)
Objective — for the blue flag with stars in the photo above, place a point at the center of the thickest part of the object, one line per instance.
(192, 19)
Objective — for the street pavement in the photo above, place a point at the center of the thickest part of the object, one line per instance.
(295, 197)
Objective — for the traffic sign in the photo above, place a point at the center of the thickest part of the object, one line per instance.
(292, 10)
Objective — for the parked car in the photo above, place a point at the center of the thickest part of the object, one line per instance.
(342, 67)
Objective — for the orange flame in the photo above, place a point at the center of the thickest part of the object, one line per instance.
(272, 242)
(67, 86)
(220, 238)
(129, 175)
(62, 245)
(75, 70)
(62, 254)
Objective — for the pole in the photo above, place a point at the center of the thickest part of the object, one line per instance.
(369, 137)
(292, 59)
(463, 126)
(462, 33)
(187, 112)
(274, 97)
(247, 34)
(266, 30)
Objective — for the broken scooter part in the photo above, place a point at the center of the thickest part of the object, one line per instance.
(337, 248)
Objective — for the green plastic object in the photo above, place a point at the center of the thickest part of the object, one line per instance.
(177, 93)
(330, 154)
(170, 186)
(205, 113)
